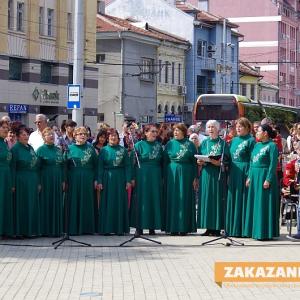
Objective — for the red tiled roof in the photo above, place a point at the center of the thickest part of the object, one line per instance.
(201, 15)
(106, 23)
(246, 69)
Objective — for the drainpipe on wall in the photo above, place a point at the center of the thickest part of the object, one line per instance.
(121, 104)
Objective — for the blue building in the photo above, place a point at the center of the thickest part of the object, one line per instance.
(212, 60)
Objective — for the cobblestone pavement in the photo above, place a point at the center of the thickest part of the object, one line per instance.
(178, 269)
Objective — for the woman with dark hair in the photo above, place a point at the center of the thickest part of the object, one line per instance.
(52, 171)
(262, 214)
(101, 140)
(6, 204)
(145, 209)
(82, 165)
(212, 182)
(114, 179)
(240, 149)
(181, 179)
(26, 185)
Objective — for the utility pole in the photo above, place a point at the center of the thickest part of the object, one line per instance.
(223, 74)
(78, 67)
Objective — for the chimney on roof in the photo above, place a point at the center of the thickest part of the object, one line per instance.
(101, 7)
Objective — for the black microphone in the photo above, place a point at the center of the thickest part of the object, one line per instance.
(228, 123)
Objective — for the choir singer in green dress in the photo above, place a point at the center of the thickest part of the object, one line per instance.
(114, 180)
(181, 179)
(26, 185)
(212, 181)
(145, 209)
(82, 167)
(240, 149)
(6, 204)
(262, 214)
(52, 185)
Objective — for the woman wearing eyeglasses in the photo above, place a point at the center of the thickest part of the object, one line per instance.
(52, 185)
(82, 166)
(145, 209)
(26, 185)
(6, 204)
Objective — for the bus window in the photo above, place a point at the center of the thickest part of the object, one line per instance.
(253, 112)
(216, 112)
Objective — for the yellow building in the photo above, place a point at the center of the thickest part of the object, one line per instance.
(249, 81)
(36, 57)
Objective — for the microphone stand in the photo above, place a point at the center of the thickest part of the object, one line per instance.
(66, 234)
(137, 234)
(224, 234)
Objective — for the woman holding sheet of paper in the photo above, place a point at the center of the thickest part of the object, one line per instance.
(212, 187)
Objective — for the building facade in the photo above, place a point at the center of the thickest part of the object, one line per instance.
(271, 40)
(206, 69)
(141, 71)
(36, 59)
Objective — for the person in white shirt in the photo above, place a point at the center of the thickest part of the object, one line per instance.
(36, 139)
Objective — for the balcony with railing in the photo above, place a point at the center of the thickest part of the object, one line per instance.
(207, 63)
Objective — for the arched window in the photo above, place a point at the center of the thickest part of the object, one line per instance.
(166, 109)
(179, 110)
(173, 109)
(159, 108)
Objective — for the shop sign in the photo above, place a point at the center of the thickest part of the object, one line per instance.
(17, 108)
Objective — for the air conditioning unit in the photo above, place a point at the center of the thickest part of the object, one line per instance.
(182, 90)
(187, 108)
(210, 54)
(280, 78)
(211, 48)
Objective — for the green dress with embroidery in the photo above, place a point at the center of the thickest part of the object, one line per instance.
(114, 173)
(145, 209)
(51, 195)
(82, 166)
(181, 170)
(262, 213)
(6, 203)
(25, 171)
(240, 152)
(213, 191)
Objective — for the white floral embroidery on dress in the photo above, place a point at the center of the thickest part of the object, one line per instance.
(119, 157)
(261, 152)
(214, 149)
(87, 153)
(155, 151)
(239, 149)
(33, 158)
(184, 148)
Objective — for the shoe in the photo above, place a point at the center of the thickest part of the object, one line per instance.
(183, 233)
(208, 232)
(217, 233)
(294, 237)
(151, 232)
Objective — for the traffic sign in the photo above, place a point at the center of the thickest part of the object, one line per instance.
(73, 96)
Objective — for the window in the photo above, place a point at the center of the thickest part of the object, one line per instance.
(159, 109)
(100, 58)
(179, 74)
(10, 14)
(173, 73)
(70, 74)
(15, 68)
(201, 85)
(41, 20)
(166, 109)
(50, 17)
(70, 27)
(244, 89)
(203, 5)
(147, 69)
(167, 72)
(179, 110)
(252, 91)
(159, 70)
(46, 72)
(20, 16)
(201, 48)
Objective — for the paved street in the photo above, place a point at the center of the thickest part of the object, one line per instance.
(179, 269)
